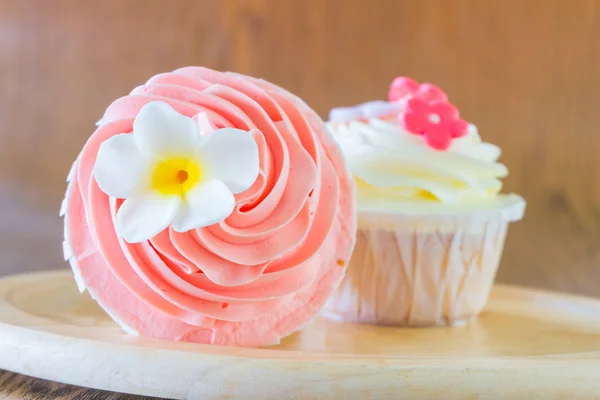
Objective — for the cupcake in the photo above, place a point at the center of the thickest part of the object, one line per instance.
(431, 219)
(209, 207)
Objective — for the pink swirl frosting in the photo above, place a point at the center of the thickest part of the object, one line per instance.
(248, 281)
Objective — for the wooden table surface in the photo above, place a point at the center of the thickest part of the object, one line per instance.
(526, 72)
(21, 387)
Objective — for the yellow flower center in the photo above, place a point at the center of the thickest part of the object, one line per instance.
(175, 176)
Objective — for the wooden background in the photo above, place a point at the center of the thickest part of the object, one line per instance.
(526, 72)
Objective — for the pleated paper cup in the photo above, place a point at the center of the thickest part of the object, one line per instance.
(426, 268)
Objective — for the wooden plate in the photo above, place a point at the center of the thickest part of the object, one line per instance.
(526, 342)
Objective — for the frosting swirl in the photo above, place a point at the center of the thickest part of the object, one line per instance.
(257, 276)
(389, 162)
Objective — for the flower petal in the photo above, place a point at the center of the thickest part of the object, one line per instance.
(159, 130)
(121, 169)
(458, 128)
(402, 87)
(446, 111)
(414, 122)
(438, 137)
(203, 123)
(142, 218)
(206, 204)
(231, 156)
(429, 92)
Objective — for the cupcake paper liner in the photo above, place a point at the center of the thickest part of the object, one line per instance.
(423, 270)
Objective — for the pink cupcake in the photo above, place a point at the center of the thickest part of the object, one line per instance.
(432, 222)
(209, 207)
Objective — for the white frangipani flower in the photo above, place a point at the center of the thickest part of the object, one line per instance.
(173, 170)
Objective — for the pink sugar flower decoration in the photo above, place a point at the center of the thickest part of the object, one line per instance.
(438, 121)
(403, 87)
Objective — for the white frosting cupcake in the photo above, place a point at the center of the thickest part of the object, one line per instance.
(431, 217)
